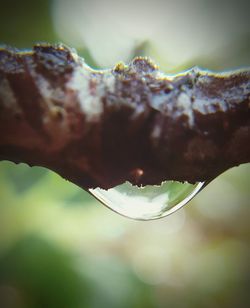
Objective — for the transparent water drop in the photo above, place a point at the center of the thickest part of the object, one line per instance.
(148, 202)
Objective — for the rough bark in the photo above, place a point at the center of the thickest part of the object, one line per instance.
(101, 128)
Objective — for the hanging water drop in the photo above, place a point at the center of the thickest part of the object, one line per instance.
(148, 202)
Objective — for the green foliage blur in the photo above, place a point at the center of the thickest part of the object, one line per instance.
(60, 248)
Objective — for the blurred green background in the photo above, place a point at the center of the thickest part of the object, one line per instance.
(58, 246)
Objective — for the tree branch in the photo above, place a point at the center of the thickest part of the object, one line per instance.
(101, 128)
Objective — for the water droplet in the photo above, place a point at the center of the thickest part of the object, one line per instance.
(149, 202)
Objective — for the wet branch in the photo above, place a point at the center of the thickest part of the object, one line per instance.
(101, 128)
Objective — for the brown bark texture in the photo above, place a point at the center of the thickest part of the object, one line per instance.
(130, 123)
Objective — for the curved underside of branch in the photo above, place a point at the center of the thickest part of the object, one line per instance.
(132, 122)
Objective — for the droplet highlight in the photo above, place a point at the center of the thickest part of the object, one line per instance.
(148, 202)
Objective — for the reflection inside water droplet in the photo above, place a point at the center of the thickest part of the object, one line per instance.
(148, 202)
